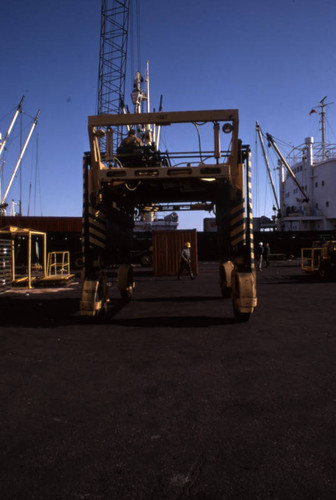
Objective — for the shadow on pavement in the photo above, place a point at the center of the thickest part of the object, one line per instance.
(41, 313)
(174, 322)
(179, 299)
(38, 313)
(295, 279)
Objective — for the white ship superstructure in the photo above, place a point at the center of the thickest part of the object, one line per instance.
(315, 170)
(307, 182)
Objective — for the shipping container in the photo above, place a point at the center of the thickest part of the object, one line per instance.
(167, 247)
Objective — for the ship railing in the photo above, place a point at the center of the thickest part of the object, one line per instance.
(139, 156)
(319, 153)
(328, 153)
(194, 158)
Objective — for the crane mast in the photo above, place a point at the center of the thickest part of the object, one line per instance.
(112, 60)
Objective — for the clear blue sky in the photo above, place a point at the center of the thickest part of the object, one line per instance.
(273, 60)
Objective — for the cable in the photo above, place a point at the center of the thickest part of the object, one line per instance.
(132, 37)
(256, 178)
(37, 176)
(330, 131)
(30, 181)
(7, 114)
(138, 34)
(132, 188)
(199, 140)
(277, 140)
(21, 138)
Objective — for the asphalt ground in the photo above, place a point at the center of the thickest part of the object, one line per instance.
(167, 397)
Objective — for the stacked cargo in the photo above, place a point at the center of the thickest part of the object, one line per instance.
(5, 265)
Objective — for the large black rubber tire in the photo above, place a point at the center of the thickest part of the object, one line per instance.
(241, 317)
(324, 272)
(146, 260)
(125, 281)
(126, 295)
(226, 292)
(100, 296)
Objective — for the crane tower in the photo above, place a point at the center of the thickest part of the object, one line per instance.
(112, 58)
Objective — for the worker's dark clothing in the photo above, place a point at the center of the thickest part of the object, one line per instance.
(185, 263)
(267, 252)
(131, 140)
(259, 255)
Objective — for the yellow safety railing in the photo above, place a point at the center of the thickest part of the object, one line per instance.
(310, 259)
(58, 263)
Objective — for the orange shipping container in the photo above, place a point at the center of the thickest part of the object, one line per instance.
(167, 247)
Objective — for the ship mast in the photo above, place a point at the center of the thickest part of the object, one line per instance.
(323, 105)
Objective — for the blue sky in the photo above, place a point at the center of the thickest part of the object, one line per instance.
(273, 60)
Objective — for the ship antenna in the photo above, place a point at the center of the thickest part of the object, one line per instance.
(323, 105)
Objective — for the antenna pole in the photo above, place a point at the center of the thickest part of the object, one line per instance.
(323, 105)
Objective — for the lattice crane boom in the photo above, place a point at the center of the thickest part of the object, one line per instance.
(113, 58)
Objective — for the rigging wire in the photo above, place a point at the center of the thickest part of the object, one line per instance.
(30, 182)
(132, 36)
(37, 178)
(2, 165)
(273, 167)
(279, 141)
(199, 140)
(6, 115)
(17, 132)
(330, 130)
(138, 34)
(256, 178)
(27, 114)
(21, 137)
(316, 127)
(268, 183)
(265, 200)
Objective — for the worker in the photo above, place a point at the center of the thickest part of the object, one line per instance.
(131, 139)
(147, 138)
(266, 255)
(185, 262)
(259, 255)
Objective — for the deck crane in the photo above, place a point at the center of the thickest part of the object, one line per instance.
(11, 125)
(272, 143)
(258, 129)
(3, 143)
(117, 184)
(3, 204)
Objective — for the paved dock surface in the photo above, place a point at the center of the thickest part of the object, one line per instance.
(167, 397)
